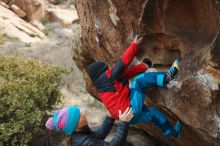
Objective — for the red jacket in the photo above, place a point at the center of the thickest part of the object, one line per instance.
(112, 84)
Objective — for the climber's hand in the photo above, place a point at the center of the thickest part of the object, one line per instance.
(127, 115)
(137, 40)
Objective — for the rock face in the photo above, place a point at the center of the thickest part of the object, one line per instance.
(188, 30)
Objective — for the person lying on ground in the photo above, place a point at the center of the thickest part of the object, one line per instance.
(73, 123)
(113, 88)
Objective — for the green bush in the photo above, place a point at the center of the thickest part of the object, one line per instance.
(45, 21)
(28, 89)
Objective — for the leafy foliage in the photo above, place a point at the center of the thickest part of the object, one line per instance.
(28, 89)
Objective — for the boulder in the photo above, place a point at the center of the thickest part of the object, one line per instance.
(4, 4)
(188, 30)
(14, 27)
(18, 11)
(5, 1)
(35, 9)
(37, 24)
(63, 16)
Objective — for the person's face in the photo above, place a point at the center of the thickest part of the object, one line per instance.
(82, 121)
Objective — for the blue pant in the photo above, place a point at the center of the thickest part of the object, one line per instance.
(143, 114)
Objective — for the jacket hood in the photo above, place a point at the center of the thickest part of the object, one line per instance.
(96, 69)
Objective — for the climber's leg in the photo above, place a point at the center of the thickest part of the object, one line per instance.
(137, 93)
(150, 114)
(148, 80)
(152, 79)
(136, 101)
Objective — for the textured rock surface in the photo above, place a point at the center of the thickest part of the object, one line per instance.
(188, 30)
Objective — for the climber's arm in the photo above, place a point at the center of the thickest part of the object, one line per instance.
(134, 71)
(126, 59)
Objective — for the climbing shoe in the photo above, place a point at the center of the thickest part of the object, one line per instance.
(178, 129)
(173, 71)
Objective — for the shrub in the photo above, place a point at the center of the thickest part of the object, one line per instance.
(28, 89)
(45, 21)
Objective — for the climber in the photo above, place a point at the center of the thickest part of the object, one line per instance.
(73, 123)
(113, 89)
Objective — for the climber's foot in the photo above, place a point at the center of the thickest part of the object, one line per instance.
(173, 71)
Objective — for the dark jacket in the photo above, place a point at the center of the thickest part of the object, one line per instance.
(96, 138)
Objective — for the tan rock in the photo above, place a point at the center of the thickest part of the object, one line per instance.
(29, 29)
(5, 1)
(37, 24)
(38, 9)
(18, 11)
(4, 4)
(15, 27)
(63, 16)
(35, 9)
